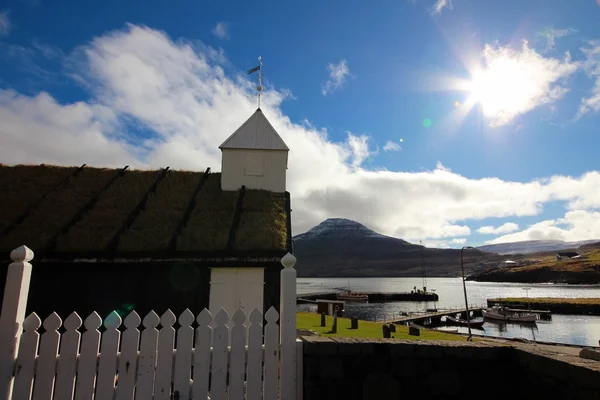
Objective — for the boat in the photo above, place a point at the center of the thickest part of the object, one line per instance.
(446, 330)
(476, 324)
(501, 313)
(352, 296)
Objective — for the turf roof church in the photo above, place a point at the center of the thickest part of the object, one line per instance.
(152, 240)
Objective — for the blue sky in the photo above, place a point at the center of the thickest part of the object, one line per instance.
(448, 121)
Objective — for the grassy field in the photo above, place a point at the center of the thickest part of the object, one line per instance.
(549, 300)
(366, 329)
(545, 268)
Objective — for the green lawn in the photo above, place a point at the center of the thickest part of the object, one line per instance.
(366, 329)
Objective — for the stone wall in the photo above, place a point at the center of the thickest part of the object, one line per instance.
(357, 369)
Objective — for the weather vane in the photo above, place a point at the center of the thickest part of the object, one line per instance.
(258, 68)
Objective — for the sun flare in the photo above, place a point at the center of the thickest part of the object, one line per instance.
(504, 86)
(504, 82)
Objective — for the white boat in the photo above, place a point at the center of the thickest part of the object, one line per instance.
(446, 330)
(500, 313)
(351, 296)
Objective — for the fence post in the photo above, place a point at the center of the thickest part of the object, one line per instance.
(14, 303)
(287, 329)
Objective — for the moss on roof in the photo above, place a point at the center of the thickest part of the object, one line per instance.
(45, 222)
(23, 185)
(114, 196)
(210, 221)
(100, 225)
(263, 221)
(168, 205)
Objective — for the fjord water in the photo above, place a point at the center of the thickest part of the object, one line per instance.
(573, 329)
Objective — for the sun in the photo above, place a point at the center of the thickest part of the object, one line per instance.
(502, 88)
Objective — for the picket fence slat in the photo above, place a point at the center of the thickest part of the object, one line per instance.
(67, 363)
(147, 360)
(255, 357)
(28, 348)
(46, 365)
(88, 358)
(238, 356)
(183, 357)
(218, 384)
(164, 358)
(128, 357)
(107, 367)
(90, 366)
(230, 355)
(271, 374)
(202, 355)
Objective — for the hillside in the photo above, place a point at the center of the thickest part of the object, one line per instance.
(533, 246)
(343, 248)
(546, 268)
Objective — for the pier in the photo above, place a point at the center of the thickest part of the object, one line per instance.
(435, 317)
(582, 306)
(373, 296)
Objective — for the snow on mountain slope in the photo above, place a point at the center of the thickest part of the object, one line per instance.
(341, 227)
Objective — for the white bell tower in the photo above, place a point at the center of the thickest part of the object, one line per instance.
(254, 156)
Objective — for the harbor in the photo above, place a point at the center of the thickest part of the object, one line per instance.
(567, 328)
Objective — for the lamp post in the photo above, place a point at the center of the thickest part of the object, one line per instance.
(526, 289)
(462, 268)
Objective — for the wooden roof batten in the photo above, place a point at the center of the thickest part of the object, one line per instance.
(14, 223)
(88, 206)
(114, 242)
(236, 218)
(288, 216)
(188, 212)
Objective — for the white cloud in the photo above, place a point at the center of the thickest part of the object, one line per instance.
(440, 5)
(33, 58)
(338, 73)
(504, 228)
(440, 166)
(178, 96)
(458, 241)
(592, 68)
(576, 225)
(514, 82)
(359, 148)
(5, 24)
(551, 35)
(38, 129)
(391, 146)
(436, 244)
(221, 30)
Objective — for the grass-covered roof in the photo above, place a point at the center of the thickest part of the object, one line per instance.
(83, 212)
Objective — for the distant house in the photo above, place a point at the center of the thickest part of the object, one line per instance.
(567, 255)
(116, 239)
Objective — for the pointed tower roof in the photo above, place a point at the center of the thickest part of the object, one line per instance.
(256, 133)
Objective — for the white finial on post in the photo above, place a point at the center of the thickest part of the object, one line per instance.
(287, 328)
(14, 304)
(288, 261)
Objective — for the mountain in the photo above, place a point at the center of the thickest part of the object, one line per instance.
(533, 246)
(340, 247)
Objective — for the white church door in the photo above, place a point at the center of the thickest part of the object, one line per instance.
(233, 288)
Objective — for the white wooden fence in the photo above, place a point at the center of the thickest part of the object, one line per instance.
(124, 364)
